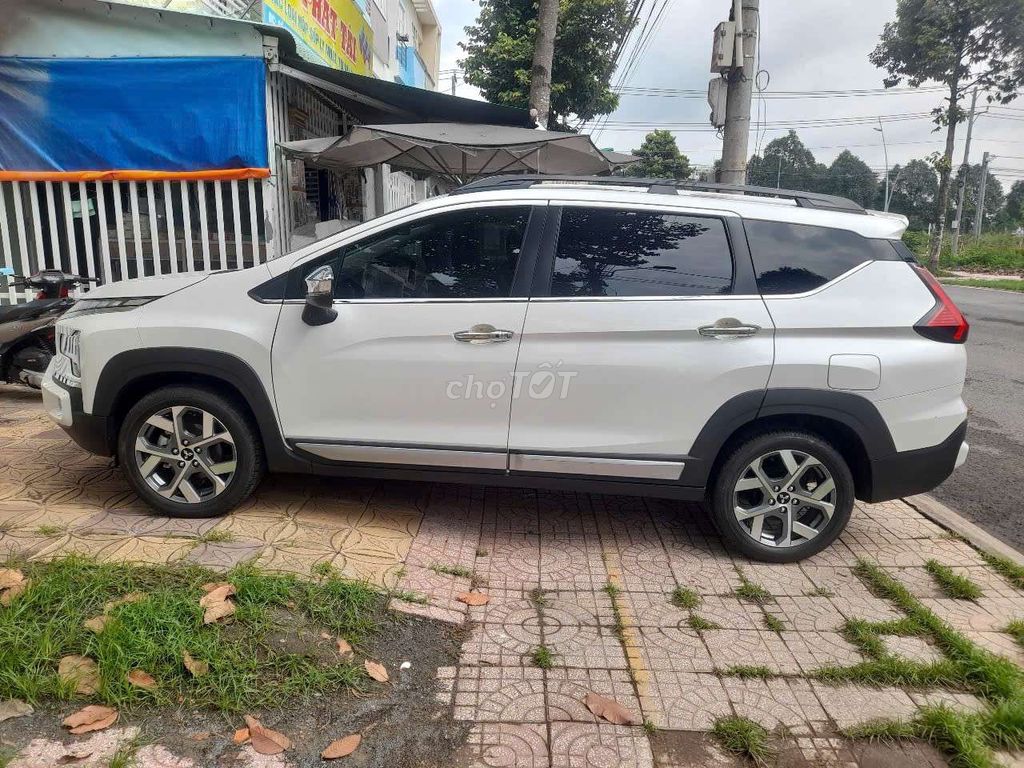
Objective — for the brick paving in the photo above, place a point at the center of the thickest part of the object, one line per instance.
(588, 578)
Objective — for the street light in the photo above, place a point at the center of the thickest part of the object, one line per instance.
(885, 151)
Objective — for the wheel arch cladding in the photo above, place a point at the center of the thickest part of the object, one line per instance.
(132, 374)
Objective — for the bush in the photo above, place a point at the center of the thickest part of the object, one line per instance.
(1000, 252)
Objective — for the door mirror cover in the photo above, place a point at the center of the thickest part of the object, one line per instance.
(319, 309)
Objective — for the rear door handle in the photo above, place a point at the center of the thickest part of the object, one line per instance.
(728, 328)
(483, 334)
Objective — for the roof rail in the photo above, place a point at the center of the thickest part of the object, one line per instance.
(665, 187)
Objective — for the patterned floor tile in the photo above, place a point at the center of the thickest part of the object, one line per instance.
(584, 647)
(814, 650)
(498, 694)
(961, 702)
(578, 608)
(669, 648)
(850, 705)
(913, 648)
(731, 647)
(567, 689)
(586, 745)
(503, 745)
(964, 614)
(683, 700)
(783, 702)
(508, 645)
(807, 614)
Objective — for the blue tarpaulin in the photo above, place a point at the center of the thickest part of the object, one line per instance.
(132, 118)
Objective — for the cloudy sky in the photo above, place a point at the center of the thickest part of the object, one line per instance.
(806, 45)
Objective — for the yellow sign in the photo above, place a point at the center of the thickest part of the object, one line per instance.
(334, 31)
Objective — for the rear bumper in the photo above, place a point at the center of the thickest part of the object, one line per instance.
(64, 405)
(910, 472)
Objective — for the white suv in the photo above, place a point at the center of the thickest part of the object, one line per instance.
(778, 356)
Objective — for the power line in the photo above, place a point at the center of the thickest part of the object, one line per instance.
(692, 93)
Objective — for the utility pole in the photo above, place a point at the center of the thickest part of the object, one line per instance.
(979, 204)
(455, 79)
(964, 170)
(741, 88)
(885, 152)
(543, 58)
(778, 175)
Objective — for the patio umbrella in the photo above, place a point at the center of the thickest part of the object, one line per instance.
(457, 151)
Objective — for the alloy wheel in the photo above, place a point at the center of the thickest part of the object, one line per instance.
(185, 454)
(784, 498)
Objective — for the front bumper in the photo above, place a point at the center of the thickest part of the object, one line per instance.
(63, 404)
(907, 473)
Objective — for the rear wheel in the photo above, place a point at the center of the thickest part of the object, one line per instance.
(783, 496)
(190, 452)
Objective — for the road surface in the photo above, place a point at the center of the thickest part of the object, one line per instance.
(989, 488)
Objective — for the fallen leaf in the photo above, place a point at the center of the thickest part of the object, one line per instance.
(8, 595)
(195, 666)
(201, 736)
(10, 577)
(376, 671)
(73, 757)
(241, 736)
(96, 623)
(344, 648)
(92, 718)
(212, 585)
(217, 611)
(131, 597)
(266, 741)
(341, 747)
(473, 598)
(14, 708)
(141, 679)
(609, 709)
(82, 671)
(218, 594)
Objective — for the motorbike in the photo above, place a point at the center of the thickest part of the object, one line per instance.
(27, 330)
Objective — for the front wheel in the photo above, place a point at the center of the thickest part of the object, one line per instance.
(783, 496)
(190, 452)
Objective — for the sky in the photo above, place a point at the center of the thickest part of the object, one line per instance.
(806, 45)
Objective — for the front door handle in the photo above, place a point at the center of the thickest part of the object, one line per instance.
(728, 328)
(483, 334)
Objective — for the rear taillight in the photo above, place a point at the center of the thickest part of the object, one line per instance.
(943, 322)
(40, 295)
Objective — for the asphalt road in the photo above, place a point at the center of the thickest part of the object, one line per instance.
(989, 488)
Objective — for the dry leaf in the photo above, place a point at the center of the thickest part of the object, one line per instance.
(201, 736)
(14, 708)
(8, 595)
(131, 597)
(96, 623)
(342, 747)
(609, 709)
(241, 736)
(72, 758)
(141, 679)
(266, 741)
(216, 611)
(82, 671)
(92, 718)
(10, 577)
(195, 666)
(376, 671)
(344, 648)
(473, 598)
(212, 585)
(218, 594)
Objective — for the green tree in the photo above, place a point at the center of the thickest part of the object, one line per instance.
(788, 164)
(1013, 211)
(850, 177)
(960, 44)
(912, 191)
(994, 199)
(660, 158)
(499, 55)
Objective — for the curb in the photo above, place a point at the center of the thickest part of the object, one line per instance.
(939, 513)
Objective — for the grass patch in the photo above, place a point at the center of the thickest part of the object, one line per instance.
(1008, 569)
(408, 596)
(820, 592)
(452, 570)
(246, 671)
(881, 730)
(650, 728)
(216, 536)
(539, 598)
(1015, 629)
(749, 591)
(620, 625)
(774, 623)
(952, 583)
(49, 530)
(742, 736)
(542, 657)
(481, 552)
(747, 672)
(684, 598)
(1001, 285)
(700, 623)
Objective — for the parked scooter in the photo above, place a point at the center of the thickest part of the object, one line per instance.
(27, 330)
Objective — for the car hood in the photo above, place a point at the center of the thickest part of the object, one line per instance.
(146, 286)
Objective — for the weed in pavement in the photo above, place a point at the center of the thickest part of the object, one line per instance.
(541, 657)
(700, 623)
(452, 570)
(951, 583)
(685, 598)
(746, 672)
(742, 736)
(1008, 569)
(749, 591)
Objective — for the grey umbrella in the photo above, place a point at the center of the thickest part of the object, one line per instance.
(457, 151)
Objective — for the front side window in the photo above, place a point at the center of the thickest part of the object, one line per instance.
(608, 252)
(459, 254)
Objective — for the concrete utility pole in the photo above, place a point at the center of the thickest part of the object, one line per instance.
(543, 58)
(979, 204)
(741, 89)
(965, 169)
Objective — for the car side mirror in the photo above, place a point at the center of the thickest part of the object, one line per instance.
(319, 309)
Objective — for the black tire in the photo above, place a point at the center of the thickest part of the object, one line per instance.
(248, 450)
(733, 470)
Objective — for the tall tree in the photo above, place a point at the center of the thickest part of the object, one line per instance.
(994, 198)
(961, 44)
(500, 46)
(543, 59)
(849, 176)
(1013, 211)
(660, 158)
(913, 189)
(787, 163)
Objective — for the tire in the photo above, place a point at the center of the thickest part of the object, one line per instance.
(737, 486)
(155, 453)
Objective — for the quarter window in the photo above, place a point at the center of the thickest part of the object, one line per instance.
(607, 252)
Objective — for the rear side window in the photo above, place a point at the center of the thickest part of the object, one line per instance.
(793, 258)
(606, 252)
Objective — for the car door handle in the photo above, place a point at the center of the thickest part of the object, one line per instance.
(728, 328)
(483, 334)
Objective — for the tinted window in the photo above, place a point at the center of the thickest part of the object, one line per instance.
(460, 254)
(793, 258)
(605, 252)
